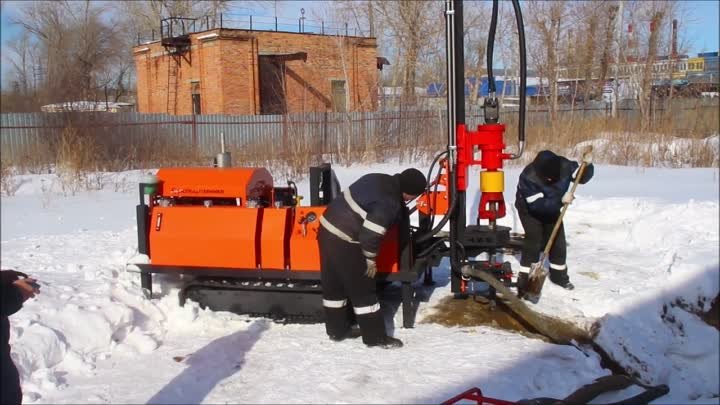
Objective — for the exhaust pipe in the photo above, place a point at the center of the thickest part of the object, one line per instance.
(223, 158)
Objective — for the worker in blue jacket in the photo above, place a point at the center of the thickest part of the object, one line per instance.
(541, 192)
(15, 288)
(352, 230)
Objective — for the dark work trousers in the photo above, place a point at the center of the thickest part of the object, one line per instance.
(10, 392)
(346, 288)
(537, 233)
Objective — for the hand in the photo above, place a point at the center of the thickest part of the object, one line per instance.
(588, 158)
(567, 198)
(28, 287)
(371, 268)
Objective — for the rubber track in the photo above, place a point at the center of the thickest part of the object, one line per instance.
(204, 286)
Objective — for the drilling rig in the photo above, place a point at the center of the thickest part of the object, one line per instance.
(250, 247)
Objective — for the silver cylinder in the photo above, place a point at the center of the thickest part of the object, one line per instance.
(223, 159)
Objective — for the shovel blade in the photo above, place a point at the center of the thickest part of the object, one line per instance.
(536, 280)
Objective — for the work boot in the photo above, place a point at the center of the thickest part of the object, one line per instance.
(567, 285)
(560, 277)
(388, 342)
(351, 333)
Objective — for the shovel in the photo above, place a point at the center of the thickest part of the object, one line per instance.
(538, 270)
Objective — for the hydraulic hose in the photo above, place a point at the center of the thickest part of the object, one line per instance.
(431, 248)
(490, 46)
(443, 221)
(428, 177)
(523, 79)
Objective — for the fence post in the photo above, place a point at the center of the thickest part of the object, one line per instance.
(194, 134)
(285, 135)
(221, 22)
(275, 23)
(250, 22)
(325, 132)
(346, 29)
(400, 127)
(322, 27)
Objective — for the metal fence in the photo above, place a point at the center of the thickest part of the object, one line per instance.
(121, 135)
(22, 134)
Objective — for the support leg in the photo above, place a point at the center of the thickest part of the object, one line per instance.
(428, 279)
(146, 284)
(407, 305)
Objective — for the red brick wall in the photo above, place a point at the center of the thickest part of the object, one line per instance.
(227, 69)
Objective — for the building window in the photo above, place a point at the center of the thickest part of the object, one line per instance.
(196, 109)
(195, 94)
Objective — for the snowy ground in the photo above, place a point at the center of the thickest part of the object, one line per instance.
(639, 240)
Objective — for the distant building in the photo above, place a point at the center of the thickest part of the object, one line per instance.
(88, 106)
(240, 71)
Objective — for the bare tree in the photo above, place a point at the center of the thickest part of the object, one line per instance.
(20, 56)
(19, 89)
(78, 47)
(545, 21)
(413, 25)
(589, 50)
(652, 36)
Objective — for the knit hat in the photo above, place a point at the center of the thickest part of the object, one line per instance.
(550, 168)
(412, 181)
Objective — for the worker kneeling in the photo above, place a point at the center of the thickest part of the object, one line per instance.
(541, 192)
(352, 230)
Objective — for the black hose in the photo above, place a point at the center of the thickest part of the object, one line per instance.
(432, 166)
(428, 177)
(490, 46)
(523, 68)
(443, 221)
(431, 248)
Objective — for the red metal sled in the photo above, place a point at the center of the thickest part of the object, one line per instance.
(474, 394)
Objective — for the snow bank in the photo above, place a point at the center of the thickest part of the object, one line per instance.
(659, 151)
(643, 252)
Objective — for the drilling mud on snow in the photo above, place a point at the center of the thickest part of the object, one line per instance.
(555, 329)
(472, 312)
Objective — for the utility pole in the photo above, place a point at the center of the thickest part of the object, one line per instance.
(617, 59)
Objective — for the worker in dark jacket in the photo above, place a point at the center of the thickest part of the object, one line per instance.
(541, 192)
(353, 228)
(16, 288)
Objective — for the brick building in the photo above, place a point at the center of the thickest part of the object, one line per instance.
(233, 71)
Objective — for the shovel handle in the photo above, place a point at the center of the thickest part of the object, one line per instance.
(556, 228)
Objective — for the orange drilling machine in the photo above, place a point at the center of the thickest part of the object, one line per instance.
(250, 247)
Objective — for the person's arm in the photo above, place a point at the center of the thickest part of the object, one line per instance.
(378, 220)
(536, 199)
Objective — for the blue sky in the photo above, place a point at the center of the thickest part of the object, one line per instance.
(702, 25)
